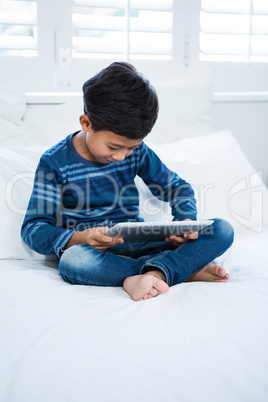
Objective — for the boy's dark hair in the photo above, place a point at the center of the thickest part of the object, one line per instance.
(121, 100)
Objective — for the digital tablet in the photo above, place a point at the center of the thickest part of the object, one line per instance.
(154, 231)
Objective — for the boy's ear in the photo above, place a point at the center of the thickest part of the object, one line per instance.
(85, 122)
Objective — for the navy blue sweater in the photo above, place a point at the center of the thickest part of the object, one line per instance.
(71, 193)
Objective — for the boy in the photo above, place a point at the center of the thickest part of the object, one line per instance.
(85, 183)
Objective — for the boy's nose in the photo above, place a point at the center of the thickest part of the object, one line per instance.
(119, 156)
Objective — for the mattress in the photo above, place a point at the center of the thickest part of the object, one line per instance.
(205, 342)
(199, 342)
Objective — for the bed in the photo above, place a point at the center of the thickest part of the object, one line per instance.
(198, 342)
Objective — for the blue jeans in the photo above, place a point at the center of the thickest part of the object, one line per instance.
(85, 265)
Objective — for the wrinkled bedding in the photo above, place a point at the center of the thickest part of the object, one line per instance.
(199, 342)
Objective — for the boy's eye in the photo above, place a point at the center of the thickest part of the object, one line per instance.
(115, 149)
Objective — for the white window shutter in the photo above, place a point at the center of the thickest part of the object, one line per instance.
(18, 28)
(122, 28)
(234, 30)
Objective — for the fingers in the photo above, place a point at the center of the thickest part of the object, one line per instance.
(98, 236)
(109, 239)
(177, 240)
(97, 239)
(192, 236)
(101, 246)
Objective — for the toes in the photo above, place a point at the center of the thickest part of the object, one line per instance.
(153, 292)
(143, 287)
(161, 286)
(219, 271)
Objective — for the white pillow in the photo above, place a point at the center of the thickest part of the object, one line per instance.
(17, 169)
(12, 104)
(225, 183)
(214, 164)
(13, 132)
(13, 135)
(185, 108)
(50, 124)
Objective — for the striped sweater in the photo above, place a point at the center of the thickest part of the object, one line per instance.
(71, 193)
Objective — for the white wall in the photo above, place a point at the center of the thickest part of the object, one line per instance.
(249, 123)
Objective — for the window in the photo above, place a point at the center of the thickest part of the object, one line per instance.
(18, 28)
(234, 30)
(55, 45)
(122, 28)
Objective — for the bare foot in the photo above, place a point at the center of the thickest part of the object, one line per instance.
(210, 273)
(142, 287)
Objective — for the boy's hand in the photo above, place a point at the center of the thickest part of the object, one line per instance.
(94, 237)
(177, 240)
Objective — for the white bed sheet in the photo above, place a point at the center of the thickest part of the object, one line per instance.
(199, 342)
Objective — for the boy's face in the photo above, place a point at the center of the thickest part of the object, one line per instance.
(106, 146)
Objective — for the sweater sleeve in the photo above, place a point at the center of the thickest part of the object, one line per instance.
(41, 229)
(166, 185)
